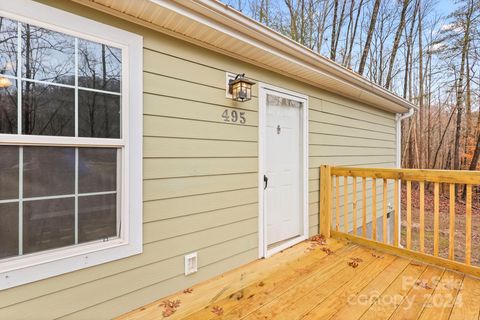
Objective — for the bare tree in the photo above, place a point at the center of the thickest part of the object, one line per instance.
(368, 42)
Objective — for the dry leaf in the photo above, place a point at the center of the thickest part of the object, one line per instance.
(377, 256)
(423, 284)
(170, 307)
(319, 240)
(217, 310)
(188, 290)
(353, 264)
(327, 250)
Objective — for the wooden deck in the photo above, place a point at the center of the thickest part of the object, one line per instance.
(306, 282)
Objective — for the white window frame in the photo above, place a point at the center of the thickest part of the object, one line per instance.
(32, 267)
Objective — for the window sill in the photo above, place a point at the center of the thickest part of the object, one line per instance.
(21, 270)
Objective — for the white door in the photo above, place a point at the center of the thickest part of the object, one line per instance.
(283, 159)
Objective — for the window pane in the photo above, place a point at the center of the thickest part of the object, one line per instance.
(97, 170)
(47, 55)
(48, 224)
(99, 66)
(8, 229)
(48, 110)
(48, 171)
(97, 217)
(8, 105)
(8, 172)
(8, 46)
(98, 115)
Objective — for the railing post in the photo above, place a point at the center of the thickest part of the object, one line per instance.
(325, 205)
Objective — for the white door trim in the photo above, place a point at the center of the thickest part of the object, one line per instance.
(263, 251)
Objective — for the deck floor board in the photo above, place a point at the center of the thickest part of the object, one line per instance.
(305, 282)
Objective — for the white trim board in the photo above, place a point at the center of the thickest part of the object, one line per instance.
(25, 269)
(264, 88)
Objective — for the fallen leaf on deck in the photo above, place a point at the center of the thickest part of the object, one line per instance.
(170, 307)
(318, 240)
(188, 290)
(377, 256)
(353, 264)
(217, 310)
(423, 284)
(327, 250)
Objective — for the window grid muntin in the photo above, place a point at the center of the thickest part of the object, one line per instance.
(20, 200)
(119, 142)
(76, 87)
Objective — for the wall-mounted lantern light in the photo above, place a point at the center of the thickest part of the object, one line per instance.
(240, 88)
(5, 82)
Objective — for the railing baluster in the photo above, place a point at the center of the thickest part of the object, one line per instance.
(326, 199)
(337, 203)
(354, 206)
(451, 236)
(395, 212)
(436, 219)
(384, 231)
(468, 225)
(345, 204)
(409, 214)
(364, 207)
(374, 208)
(422, 216)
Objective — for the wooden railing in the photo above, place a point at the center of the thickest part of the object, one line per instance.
(363, 219)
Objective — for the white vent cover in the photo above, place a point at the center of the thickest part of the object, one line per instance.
(191, 262)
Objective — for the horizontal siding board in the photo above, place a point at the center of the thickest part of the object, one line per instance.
(156, 147)
(351, 161)
(170, 87)
(172, 66)
(336, 129)
(343, 139)
(191, 167)
(177, 207)
(339, 151)
(181, 187)
(322, 117)
(164, 229)
(186, 128)
(354, 111)
(179, 108)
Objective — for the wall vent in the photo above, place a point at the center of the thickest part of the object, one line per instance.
(191, 262)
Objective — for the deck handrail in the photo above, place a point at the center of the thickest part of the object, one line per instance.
(330, 212)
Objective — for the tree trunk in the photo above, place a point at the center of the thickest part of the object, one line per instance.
(421, 94)
(368, 42)
(333, 51)
(396, 43)
(348, 62)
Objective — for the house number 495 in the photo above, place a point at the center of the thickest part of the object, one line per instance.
(234, 116)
